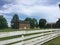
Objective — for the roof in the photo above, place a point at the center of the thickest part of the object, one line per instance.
(51, 23)
(24, 22)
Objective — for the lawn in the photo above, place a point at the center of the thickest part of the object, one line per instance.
(10, 30)
(55, 41)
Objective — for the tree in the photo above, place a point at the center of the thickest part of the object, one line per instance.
(14, 20)
(42, 23)
(35, 22)
(58, 23)
(59, 5)
(3, 23)
(32, 21)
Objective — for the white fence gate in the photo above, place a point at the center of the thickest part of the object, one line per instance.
(32, 37)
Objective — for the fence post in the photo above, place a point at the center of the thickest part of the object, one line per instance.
(23, 38)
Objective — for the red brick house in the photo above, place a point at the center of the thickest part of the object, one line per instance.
(21, 24)
(54, 25)
(51, 25)
(24, 25)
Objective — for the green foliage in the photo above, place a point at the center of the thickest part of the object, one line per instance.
(33, 22)
(42, 23)
(14, 19)
(3, 23)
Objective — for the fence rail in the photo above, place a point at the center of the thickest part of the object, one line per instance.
(32, 37)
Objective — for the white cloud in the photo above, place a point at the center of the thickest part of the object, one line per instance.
(29, 7)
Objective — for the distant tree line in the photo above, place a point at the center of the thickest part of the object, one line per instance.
(33, 22)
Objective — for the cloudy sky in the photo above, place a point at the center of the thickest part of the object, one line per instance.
(47, 9)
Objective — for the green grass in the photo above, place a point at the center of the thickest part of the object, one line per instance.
(55, 41)
(8, 30)
(11, 37)
(11, 30)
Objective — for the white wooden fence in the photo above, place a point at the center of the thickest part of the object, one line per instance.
(32, 37)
